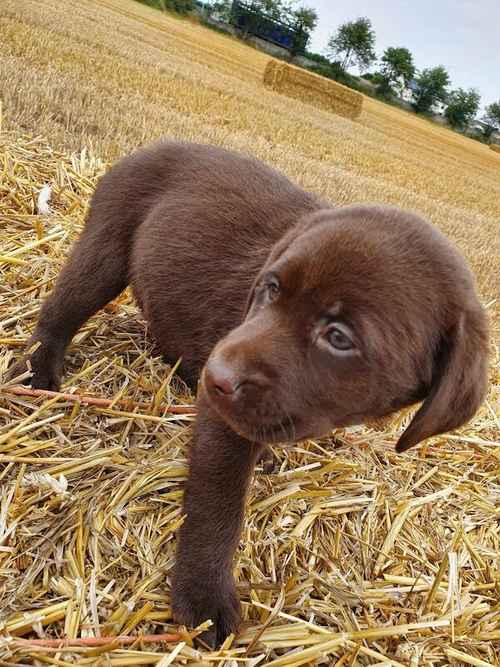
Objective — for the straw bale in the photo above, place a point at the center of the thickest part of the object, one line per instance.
(313, 89)
(351, 554)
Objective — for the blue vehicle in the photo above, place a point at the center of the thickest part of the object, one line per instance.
(252, 21)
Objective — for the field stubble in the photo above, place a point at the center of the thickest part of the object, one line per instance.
(400, 553)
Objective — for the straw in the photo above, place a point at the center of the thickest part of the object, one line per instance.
(350, 554)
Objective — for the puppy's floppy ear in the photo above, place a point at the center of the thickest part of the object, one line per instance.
(459, 384)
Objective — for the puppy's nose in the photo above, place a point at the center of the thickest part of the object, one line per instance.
(224, 385)
(221, 378)
(231, 382)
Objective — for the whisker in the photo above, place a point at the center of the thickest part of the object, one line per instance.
(292, 426)
(282, 426)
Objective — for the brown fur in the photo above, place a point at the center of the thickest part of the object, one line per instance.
(250, 279)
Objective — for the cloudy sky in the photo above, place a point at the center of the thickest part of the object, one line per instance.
(462, 35)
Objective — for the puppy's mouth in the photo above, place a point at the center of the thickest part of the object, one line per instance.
(273, 433)
(280, 433)
(264, 423)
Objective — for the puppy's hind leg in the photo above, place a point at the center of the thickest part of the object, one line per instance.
(94, 274)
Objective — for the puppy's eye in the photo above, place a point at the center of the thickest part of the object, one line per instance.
(338, 339)
(271, 290)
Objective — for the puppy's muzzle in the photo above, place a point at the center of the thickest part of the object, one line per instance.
(230, 385)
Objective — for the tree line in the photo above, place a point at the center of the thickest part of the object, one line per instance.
(354, 44)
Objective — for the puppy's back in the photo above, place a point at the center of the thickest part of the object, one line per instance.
(200, 173)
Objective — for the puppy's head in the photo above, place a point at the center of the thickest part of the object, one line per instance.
(357, 312)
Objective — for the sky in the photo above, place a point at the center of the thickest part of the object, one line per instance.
(462, 35)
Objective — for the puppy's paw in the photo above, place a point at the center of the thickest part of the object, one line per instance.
(197, 601)
(45, 366)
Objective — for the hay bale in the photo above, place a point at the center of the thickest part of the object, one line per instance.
(313, 88)
(495, 147)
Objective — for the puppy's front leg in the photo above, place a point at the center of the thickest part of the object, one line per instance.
(221, 465)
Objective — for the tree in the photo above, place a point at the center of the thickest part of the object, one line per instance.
(305, 20)
(354, 41)
(462, 108)
(491, 119)
(222, 8)
(397, 67)
(432, 84)
(275, 9)
(307, 17)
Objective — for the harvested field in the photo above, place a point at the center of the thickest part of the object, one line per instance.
(351, 555)
(312, 89)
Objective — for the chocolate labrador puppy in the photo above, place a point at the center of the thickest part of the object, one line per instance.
(297, 316)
